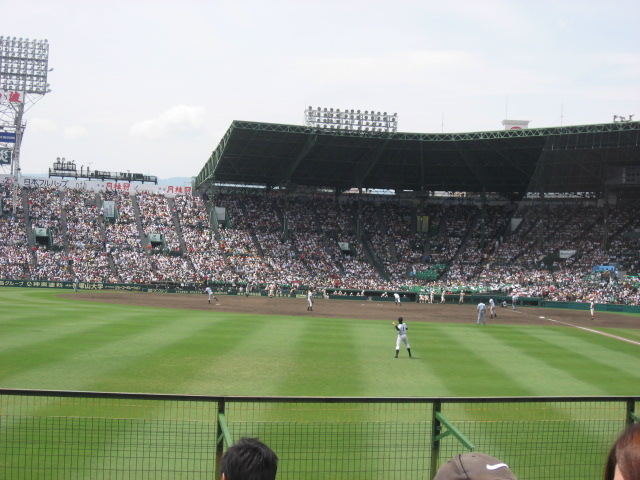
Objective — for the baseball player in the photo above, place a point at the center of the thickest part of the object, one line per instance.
(210, 295)
(492, 308)
(482, 313)
(431, 296)
(309, 300)
(592, 308)
(442, 297)
(396, 297)
(461, 300)
(76, 283)
(402, 328)
(514, 299)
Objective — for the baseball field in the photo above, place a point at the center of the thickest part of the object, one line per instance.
(107, 341)
(171, 343)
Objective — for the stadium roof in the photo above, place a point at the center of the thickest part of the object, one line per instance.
(588, 158)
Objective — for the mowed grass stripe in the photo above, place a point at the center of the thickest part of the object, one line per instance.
(325, 358)
(281, 356)
(213, 354)
(568, 371)
(81, 360)
(66, 346)
(28, 298)
(387, 376)
(471, 363)
(594, 352)
(507, 360)
(53, 325)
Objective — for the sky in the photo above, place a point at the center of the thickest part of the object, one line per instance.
(152, 86)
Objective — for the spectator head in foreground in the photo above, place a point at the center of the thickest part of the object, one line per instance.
(249, 459)
(623, 462)
(474, 466)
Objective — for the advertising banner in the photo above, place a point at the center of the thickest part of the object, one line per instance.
(7, 137)
(11, 96)
(96, 185)
(6, 155)
(604, 268)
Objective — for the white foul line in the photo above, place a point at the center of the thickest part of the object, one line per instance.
(628, 340)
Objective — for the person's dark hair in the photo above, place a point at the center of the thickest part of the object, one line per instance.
(249, 459)
(625, 453)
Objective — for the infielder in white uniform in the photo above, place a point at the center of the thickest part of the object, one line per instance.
(402, 328)
(482, 314)
(492, 308)
(309, 300)
(592, 308)
(209, 292)
(514, 299)
(396, 297)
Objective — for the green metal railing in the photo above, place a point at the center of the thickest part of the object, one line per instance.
(96, 435)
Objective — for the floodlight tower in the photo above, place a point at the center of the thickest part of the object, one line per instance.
(24, 65)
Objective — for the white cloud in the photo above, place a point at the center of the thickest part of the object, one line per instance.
(180, 118)
(75, 132)
(38, 125)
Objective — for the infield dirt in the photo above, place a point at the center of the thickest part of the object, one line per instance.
(359, 308)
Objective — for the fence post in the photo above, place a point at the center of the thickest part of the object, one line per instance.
(632, 416)
(435, 438)
(220, 438)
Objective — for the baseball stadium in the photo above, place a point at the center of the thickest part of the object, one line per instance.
(117, 363)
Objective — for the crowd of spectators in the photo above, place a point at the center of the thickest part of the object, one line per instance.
(268, 239)
(45, 212)
(85, 235)
(156, 218)
(15, 256)
(122, 240)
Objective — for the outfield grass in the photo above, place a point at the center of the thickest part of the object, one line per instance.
(65, 344)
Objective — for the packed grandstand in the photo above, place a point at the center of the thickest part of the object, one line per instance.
(551, 213)
(559, 250)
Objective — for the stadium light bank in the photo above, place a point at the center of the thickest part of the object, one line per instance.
(24, 66)
(367, 121)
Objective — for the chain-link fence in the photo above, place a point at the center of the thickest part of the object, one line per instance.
(89, 435)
